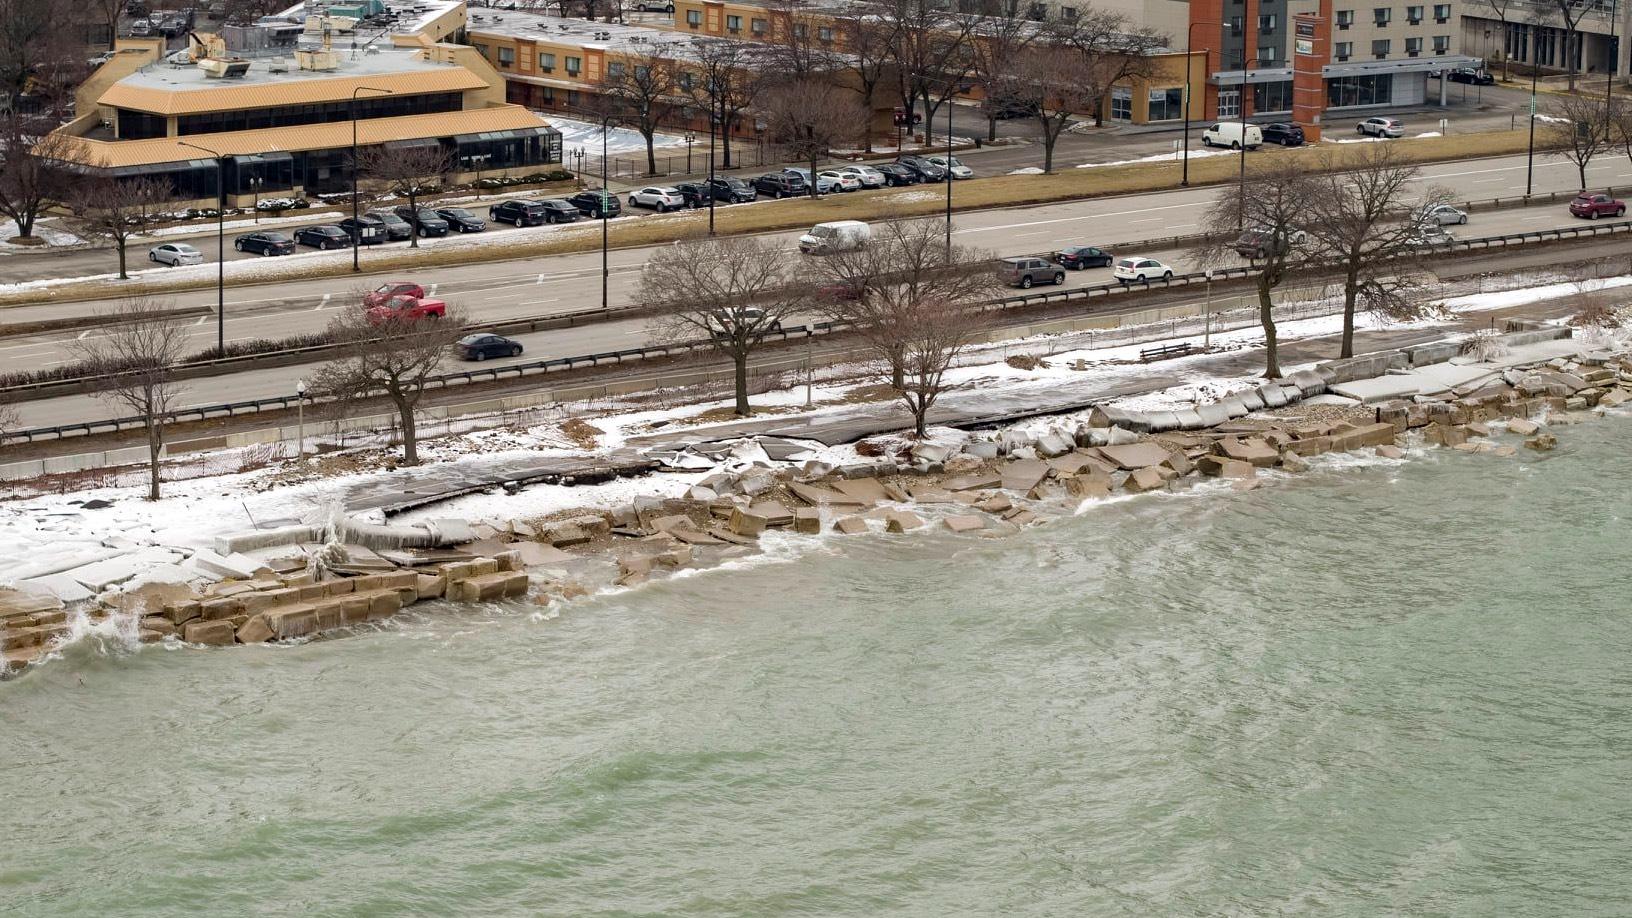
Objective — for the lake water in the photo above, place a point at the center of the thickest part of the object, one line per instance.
(1379, 689)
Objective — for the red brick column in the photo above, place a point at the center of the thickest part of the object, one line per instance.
(1311, 51)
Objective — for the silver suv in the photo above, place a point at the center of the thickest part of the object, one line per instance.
(1023, 272)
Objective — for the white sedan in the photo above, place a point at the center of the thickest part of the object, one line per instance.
(958, 170)
(174, 254)
(1441, 215)
(847, 182)
(658, 198)
(1140, 269)
(867, 175)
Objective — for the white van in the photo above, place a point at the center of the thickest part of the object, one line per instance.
(838, 236)
(1230, 133)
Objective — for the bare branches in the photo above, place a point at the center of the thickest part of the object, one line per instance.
(406, 171)
(389, 351)
(1004, 36)
(1585, 131)
(1112, 52)
(936, 331)
(729, 290)
(34, 171)
(642, 91)
(114, 209)
(1502, 10)
(732, 77)
(809, 116)
(932, 51)
(1052, 82)
(138, 352)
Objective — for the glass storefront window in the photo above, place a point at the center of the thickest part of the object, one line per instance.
(1167, 104)
(1371, 89)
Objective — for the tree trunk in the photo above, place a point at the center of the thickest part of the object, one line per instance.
(1049, 139)
(155, 443)
(816, 182)
(920, 413)
(991, 128)
(413, 227)
(898, 370)
(410, 433)
(725, 142)
(740, 359)
(1266, 317)
(1581, 169)
(121, 244)
(1351, 293)
(25, 223)
(1506, 58)
(651, 153)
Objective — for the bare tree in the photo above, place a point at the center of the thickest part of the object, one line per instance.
(867, 40)
(641, 92)
(1273, 208)
(34, 171)
(137, 351)
(1501, 9)
(389, 352)
(107, 11)
(1051, 81)
(1566, 15)
(1364, 222)
(879, 288)
(936, 332)
(115, 210)
(995, 59)
(809, 116)
(729, 80)
(932, 51)
(34, 43)
(801, 44)
(1585, 131)
(1112, 51)
(727, 289)
(406, 172)
(9, 421)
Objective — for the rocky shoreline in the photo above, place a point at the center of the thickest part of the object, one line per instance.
(298, 582)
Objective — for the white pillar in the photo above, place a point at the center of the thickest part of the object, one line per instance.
(1442, 88)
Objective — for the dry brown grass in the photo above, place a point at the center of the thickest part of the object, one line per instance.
(974, 194)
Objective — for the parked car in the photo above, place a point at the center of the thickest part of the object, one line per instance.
(483, 346)
(517, 213)
(840, 291)
(837, 236)
(1015, 109)
(267, 243)
(658, 197)
(1381, 127)
(1143, 269)
(867, 175)
(845, 180)
(327, 236)
(958, 169)
(1593, 205)
(896, 174)
(141, 28)
(1471, 75)
(1284, 133)
(1077, 257)
(461, 219)
(781, 184)
(426, 222)
(725, 322)
(655, 6)
(598, 204)
(1439, 215)
(395, 227)
(1232, 134)
(407, 307)
(390, 290)
(1262, 243)
(925, 170)
(365, 230)
(1431, 234)
(823, 185)
(175, 254)
(732, 190)
(694, 194)
(1023, 272)
(559, 211)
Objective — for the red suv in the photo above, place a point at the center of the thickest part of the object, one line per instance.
(407, 307)
(1592, 206)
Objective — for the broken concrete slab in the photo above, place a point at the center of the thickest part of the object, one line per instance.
(807, 520)
(850, 525)
(964, 523)
(817, 497)
(902, 521)
(1024, 474)
(984, 481)
(1134, 455)
(866, 490)
(1146, 479)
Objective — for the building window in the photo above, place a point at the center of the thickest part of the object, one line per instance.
(1068, 13)
(1442, 13)
(1267, 23)
(1413, 15)
(614, 69)
(507, 57)
(684, 79)
(1345, 18)
(1383, 15)
(134, 125)
(1372, 89)
(824, 34)
(1442, 44)
(1272, 97)
(800, 30)
(694, 18)
(1166, 104)
(1235, 25)
(546, 63)
(549, 94)
(1266, 55)
(1229, 103)
(574, 64)
(249, 119)
(572, 98)
(733, 24)
(1037, 12)
(1121, 103)
(1343, 49)
(1413, 47)
(1380, 47)
(759, 26)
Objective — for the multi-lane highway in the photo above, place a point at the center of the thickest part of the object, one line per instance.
(571, 282)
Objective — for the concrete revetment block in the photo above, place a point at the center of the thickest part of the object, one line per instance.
(850, 525)
(255, 630)
(215, 634)
(1222, 467)
(964, 523)
(222, 608)
(1148, 478)
(807, 520)
(744, 523)
(902, 521)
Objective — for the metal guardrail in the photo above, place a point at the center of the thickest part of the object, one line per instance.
(559, 364)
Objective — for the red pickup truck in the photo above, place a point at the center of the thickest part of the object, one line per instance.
(1593, 205)
(407, 307)
(385, 292)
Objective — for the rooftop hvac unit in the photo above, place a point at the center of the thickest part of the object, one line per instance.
(220, 67)
(277, 65)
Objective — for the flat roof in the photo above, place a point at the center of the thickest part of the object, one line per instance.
(611, 36)
(406, 17)
(168, 89)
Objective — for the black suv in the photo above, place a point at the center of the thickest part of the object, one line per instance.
(1471, 75)
(781, 184)
(395, 227)
(598, 204)
(1284, 133)
(558, 211)
(426, 222)
(265, 244)
(366, 230)
(519, 213)
(323, 237)
(695, 194)
(925, 170)
(462, 220)
(733, 190)
(896, 174)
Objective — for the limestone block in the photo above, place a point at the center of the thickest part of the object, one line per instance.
(981, 482)
(386, 603)
(1292, 462)
(1024, 474)
(1086, 486)
(1522, 426)
(330, 613)
(1134, 455)
(348, 585)
(292, 622)
(774, 513)
(214, 634)
(850, 525)
(1179, 463)
(964, 523)
(428, 586)
(181, 612)
(865, 490)
(1446, 434)
(1389, 451)
(1148, 478)
(255, 630)
(1542, 442)
(1245, 484)
(562, 535)
(354, 608)
(902, 521)
(1053, 444)
(1223, 467)
(746, 523)
(997, 503)
(223, 607)
(679, 556)
(807, 520)
(1253, 450)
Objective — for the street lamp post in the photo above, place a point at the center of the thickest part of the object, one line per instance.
(1241, 110)
(948, 181)
(1189, 42)
(1530, 157)
(1207, 311)
(1614, 63)
(357, 227)
(690, 139)
(255, 187)
(300, 413)
(711, 189)
(220, 246)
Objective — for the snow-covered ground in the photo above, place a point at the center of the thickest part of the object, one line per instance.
(586, 136)
(1175, 156)
(45, 229)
